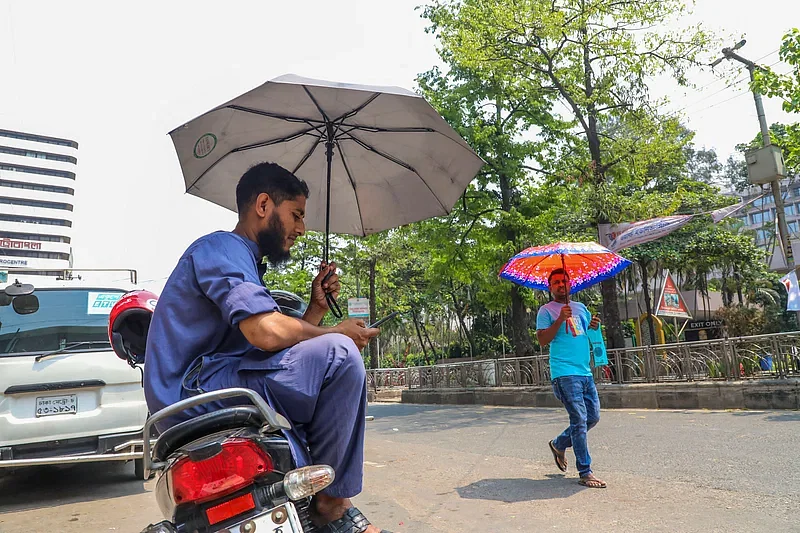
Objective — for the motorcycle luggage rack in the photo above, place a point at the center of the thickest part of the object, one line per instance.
(272, 418)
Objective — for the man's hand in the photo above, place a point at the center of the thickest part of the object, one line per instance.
(356, 329)
(566, 313)
(595, 323)
(320, 288)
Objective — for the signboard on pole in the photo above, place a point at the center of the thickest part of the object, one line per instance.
(358, 307)
(671, 303)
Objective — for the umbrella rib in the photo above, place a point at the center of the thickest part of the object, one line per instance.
(321, 112)
(250, 147)
(375, 129)
(288, 138)
(355, 111)
(307, 156)
(353, 183)
(396, 161)
(268, 114)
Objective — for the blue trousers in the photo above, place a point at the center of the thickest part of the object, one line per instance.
(579, 396)
(320, 386)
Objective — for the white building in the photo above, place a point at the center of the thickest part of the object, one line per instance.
(760, 217)
(37, 188)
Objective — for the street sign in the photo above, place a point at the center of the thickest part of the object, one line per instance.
(671, 302)
(358, 307)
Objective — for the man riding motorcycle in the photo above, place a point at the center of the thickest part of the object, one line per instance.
(216, 326)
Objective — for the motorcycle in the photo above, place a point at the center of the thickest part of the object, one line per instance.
(230, 470)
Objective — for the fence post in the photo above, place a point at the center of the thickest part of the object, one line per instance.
(777, 357)
(687, 362)
(648, 364)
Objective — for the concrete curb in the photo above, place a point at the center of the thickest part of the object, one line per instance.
(756, 394)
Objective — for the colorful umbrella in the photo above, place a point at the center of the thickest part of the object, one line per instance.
(586, 263)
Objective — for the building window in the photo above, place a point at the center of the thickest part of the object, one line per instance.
(35, 220)
(37, 254)
(790, 209)
(37, 170)
(38, 155)
(36, 187)
(792, 226)
(35, 203)
(37, 138)
(762, 236)
(34, 237)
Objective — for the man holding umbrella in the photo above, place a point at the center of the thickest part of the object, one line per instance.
(563, 325)
(216, 326)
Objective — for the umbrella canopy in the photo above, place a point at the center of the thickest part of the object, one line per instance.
(383, 154)
(586, 263)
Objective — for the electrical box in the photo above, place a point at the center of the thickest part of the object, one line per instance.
(765, 165)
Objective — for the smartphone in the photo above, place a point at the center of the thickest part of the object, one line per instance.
(384, 319)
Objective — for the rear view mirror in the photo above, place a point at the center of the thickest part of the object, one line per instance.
(19, 289)
(26, 304)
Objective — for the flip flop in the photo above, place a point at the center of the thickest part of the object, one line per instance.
(558, 458)
(586, 480)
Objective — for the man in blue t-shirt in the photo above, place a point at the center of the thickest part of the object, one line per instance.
(563, 325)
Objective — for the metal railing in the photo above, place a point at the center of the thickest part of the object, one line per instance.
(757, 357)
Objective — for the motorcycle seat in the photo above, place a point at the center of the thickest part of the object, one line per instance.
(190, 430)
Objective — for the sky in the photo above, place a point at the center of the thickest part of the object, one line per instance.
(117, 77)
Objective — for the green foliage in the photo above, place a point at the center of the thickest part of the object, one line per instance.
(787, 88)
(553, 95)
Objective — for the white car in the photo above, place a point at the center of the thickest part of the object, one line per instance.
(65, 397)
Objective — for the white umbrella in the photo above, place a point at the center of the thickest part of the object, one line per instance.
(374, 158)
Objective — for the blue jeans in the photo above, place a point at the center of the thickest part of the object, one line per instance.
(579, 396)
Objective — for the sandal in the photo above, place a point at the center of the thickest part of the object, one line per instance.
(353, 521)
(592, 482)
(561, 461)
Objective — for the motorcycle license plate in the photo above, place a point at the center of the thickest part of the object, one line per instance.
(281, 519)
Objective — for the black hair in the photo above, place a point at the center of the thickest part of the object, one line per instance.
(556, 272)
(270, 178)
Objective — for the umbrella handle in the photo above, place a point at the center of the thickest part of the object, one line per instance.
(332, 304)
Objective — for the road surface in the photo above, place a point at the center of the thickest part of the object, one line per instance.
(488, 469)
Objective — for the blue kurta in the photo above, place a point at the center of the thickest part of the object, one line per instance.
(194, 345)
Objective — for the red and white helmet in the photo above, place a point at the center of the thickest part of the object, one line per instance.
(128, 323)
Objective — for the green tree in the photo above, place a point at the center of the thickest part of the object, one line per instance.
(596, 57)
(787, 88)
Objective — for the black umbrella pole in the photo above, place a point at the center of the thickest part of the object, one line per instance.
(332, 304)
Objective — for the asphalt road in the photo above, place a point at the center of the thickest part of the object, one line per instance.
(483, 469)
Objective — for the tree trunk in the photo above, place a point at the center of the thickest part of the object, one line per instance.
(648, 304)
(419, 335)
(373, 314)
(739, 294)
(523, 345)
(520, 336)
(460, 313)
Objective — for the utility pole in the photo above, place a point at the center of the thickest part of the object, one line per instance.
(769, 152)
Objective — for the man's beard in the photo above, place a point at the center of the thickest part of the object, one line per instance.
(272, 242)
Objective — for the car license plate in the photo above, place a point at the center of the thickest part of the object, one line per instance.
(57, 405)
(281, 519)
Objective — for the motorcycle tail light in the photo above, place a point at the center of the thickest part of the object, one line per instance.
(235, 466)
(307, 481)
(236, 506)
